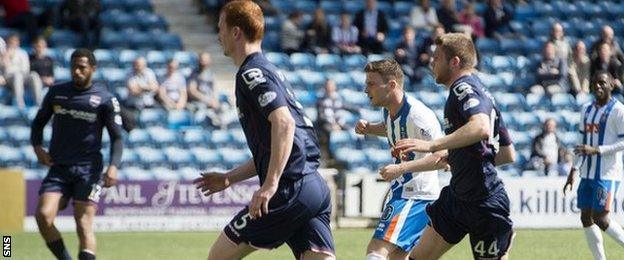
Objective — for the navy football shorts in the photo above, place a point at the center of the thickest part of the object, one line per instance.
(299, 215)
(487, 222)
(79, 182)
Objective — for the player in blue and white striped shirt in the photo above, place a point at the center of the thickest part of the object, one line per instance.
(599, 163)
(404, 217)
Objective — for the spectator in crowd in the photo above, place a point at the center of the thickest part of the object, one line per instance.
(292, 35)
(406, 52)
(425, 51)
(423, 16)
(172, 92)
(545, 148)
(202, 95)
(372, 26)
(447, 15)
(41, 65)
(17, 15)
(579, 69)
(17, 71)
(344, 37)
(606, 61)
(82, 17)
(566, 160)
(497, 17)
(142, 86)
(470, 18)
(562, 46)
(607, 36)
(328, 119)
(551, 72)
(318, 34)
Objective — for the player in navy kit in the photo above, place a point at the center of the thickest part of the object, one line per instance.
(81, 109)
(475, 202)
(293, 203)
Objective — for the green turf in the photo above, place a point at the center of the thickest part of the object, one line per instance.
(350, 243)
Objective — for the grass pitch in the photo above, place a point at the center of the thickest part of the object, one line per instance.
(350, 244)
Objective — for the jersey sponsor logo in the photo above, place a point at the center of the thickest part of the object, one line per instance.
(60, 97)
(425, 133)
(462, 90)
(90, 117)
(253, 77)
(266, 98)
(385, 216)
(470, 103)
(592, 128)
(94, 100)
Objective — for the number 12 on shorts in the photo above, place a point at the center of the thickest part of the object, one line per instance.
(491, 251)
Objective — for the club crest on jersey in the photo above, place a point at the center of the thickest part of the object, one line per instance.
(462, 90)
(94, 100)
(253, 77)
(266, 98)
(473, 102)
(385, 216)
(425, 133)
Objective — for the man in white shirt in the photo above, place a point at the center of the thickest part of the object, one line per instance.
(172, 93)
(17, 70)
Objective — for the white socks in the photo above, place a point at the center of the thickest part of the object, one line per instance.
(594, 240)
(374, 256)
(615, 231)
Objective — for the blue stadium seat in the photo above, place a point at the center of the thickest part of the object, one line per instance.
(163, 173)
(185, 58)
(561, 101)
(136, 174)
(303, 61)
(510, 47)
(179, 157)
(124, 21)
(590, 10)
(152, 117)
(271, 41)
(29, 157)
(305, 6)
(501, 63)
(221, 138)
(614, 10)
(541, 28)
(371, 115)
(280, 60)
(570, 138)
(9, 156)
(375, 57)
(112, 4)
(354, 62)
(105, 58)
(306, 98)
(352, 158)
(521, 139)
(168, 41)
(532, 46)
(352, 6)
(113, 40)
(114, 76)
(355, 98)
(129, 158)
(189, 173)
(238, 138)
(526, 120)
(342, 80)
(583, 98)
(536, 101)
(542, 9)
(234, 157)
(139, 137)
(156, 59)
(178, 119)
(294, 80)
(340, 139)
(19, 134)
(273, 23)
(510, 101)
(312, 80)
(150, 157)
(378, 158)
(138, 5)
(433, 100)
(207, 158)
(487, 46)
(10, 115)
(402, 8)
(359, 78)
(193, 137)
(162, 137)
(570, 119)
(331, 7)
(64, 39)
(395, 29)
(328, 62)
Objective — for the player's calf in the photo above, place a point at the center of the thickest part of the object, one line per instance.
(381, 250)
(224, 248)
(311, 255)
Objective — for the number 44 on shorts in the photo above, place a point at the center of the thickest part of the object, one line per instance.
(491, 251)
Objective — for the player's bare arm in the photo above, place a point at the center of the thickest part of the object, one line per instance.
(364, 127)
(432, 162)
(282, 137)
(506, 155)
(213, 182)
(477, 129)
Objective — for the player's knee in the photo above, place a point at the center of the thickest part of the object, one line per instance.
(586, 220)
(601, 221)
(44, 217)
(375, 256)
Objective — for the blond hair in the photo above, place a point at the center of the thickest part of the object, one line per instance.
(388, 69)
(458, 45)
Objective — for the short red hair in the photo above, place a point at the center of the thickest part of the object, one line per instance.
(248, 16)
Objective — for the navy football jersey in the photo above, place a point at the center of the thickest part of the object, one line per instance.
(473, 171)
(79, 116)
(260, 89)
